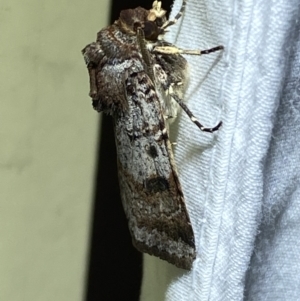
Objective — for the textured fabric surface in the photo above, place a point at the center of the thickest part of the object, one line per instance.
(242, 183)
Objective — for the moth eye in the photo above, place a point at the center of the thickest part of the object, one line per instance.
(151, 30)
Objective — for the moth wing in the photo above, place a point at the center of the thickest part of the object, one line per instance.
(150, 189)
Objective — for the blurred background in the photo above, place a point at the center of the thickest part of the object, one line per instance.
(63, 231)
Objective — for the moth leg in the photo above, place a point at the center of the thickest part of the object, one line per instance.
(176, 18)
(190, 114)
(92, 54)
(170, 91)
(176, 50)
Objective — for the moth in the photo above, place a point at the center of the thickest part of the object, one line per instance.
(138, 78)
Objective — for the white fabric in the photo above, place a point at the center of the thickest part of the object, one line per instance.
(242, 184)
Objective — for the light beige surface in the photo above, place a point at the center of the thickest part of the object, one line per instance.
(157, 276)
(48, 140)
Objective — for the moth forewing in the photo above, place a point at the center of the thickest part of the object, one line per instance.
(151, 192)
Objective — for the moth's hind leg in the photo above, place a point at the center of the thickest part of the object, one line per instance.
(190, 114)
(171, 105)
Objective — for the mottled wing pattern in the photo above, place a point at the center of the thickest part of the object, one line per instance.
(150, 188)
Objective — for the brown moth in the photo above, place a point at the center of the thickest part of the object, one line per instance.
(138, 79)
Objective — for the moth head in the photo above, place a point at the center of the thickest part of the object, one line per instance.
(149, 21)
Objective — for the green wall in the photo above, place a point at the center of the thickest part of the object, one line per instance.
(48, 138)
